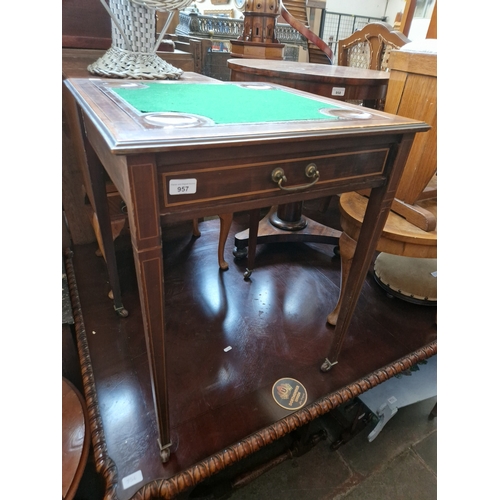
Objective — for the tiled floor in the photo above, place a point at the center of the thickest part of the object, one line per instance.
(400, 463)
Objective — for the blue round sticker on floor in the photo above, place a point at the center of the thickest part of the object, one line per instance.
(289, 393)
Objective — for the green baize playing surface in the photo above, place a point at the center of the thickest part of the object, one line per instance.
(225, 103)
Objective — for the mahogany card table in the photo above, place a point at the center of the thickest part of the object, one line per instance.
(178, 150)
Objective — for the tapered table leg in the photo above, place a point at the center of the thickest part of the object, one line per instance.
(145, 231)
(377, 211)
(96, 175)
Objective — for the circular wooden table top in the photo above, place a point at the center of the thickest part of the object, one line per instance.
(75, 439)
(309, 71)
(399, 237)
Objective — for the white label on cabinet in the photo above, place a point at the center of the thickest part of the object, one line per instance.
(338, 91)
(132, 479)
(182, 186)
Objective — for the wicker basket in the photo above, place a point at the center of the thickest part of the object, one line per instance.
(133, 40)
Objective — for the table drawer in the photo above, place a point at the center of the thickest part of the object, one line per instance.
(201, 184)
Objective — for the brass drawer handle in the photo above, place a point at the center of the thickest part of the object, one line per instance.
(278, 175)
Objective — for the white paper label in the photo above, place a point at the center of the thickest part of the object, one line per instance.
(338, 91)
(182, 186)
(132, 479)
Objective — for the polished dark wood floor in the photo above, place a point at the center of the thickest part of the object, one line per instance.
(275, 324)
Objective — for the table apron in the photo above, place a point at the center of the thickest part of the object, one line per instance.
(239, 183)
(239, 178)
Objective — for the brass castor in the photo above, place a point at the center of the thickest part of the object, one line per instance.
(122, 312)
(327, 365)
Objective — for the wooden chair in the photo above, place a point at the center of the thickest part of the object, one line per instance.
(370, 47)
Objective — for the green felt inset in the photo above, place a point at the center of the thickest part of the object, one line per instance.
(225, 103)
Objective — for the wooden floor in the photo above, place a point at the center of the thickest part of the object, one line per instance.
(221, 402)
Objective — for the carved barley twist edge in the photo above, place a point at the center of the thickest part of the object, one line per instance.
(169, 488)
(103, 463)
(165, 489)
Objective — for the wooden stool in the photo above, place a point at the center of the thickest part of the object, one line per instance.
(399, 237)
(75, 439)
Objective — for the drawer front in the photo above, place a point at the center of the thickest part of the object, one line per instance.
(242, 181)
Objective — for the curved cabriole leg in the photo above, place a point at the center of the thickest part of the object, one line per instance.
(116, 229)
(225, 225)
(253, 228)
(347, 246)
(196, 229)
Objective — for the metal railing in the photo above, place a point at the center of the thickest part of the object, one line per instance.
(221, 30)
(192, 23)
(336, 26)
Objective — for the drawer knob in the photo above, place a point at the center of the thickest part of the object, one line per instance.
(278, 176)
